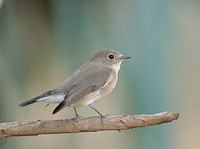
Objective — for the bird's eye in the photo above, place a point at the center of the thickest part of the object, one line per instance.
(111, 56)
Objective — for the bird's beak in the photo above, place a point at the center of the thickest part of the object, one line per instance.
(124, 57)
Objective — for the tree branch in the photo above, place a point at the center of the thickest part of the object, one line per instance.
(88, 124)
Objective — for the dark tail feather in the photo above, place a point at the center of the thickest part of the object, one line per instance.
(28, 102)
(60, 107)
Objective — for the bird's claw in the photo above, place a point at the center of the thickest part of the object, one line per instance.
(102, 117)
(77, 117)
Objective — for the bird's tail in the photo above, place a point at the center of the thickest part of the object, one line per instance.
(28, 102)
(33, 100)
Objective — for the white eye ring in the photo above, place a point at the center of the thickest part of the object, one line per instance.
(111, 56)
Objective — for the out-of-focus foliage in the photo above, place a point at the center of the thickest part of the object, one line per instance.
(42, 42)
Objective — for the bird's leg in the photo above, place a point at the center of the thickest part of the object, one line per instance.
(101, 115)
(77, 116)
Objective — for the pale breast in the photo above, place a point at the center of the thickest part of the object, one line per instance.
(110, 85)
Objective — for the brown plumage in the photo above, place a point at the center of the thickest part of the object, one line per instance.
(93, 80)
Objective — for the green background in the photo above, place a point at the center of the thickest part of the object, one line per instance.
(42, 42)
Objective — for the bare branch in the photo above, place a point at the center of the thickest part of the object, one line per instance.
(88, 124)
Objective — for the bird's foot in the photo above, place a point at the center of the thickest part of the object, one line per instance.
(102, 117)
(77, 117)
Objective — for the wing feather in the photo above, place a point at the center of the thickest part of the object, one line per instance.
(85, 81)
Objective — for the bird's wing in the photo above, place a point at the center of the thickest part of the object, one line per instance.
(88, 82)
(75, 97)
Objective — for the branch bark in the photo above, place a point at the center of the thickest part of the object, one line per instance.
(88, 124)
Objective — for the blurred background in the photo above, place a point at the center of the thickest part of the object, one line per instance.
(42, 42)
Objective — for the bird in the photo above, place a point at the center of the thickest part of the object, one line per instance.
(92, 81)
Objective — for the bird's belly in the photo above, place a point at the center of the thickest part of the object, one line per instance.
(89, 99)
(94, 96)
